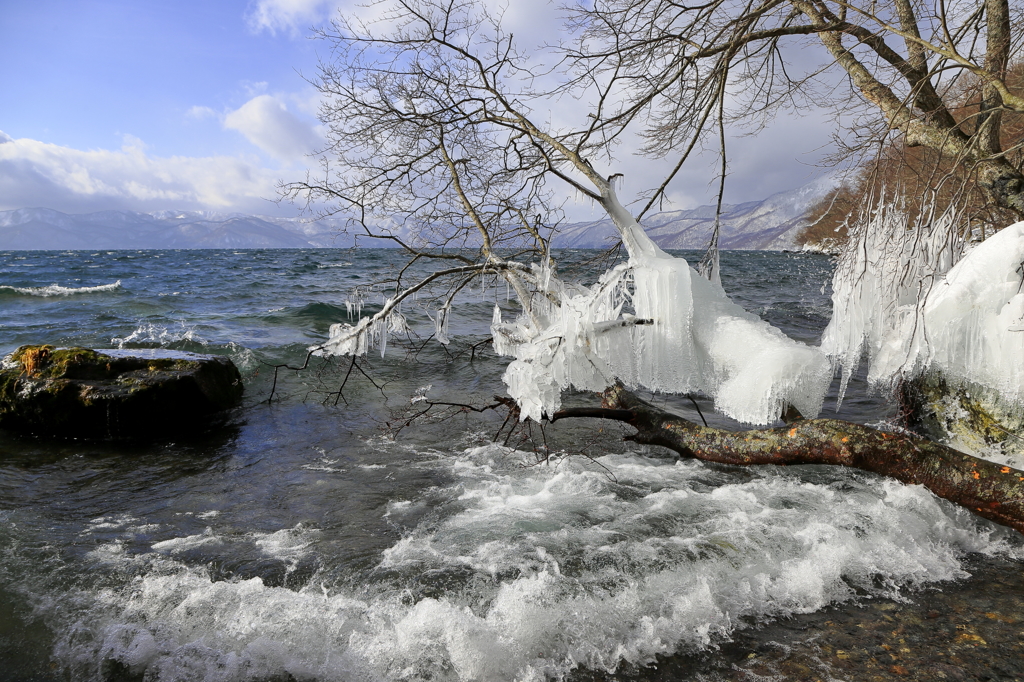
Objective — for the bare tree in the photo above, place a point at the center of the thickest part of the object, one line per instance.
(440, 141)
(906, 64)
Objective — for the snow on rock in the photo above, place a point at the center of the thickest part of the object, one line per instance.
(974, 318)
(911, 298)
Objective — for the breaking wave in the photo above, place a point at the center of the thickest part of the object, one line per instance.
(148, 335)
(58, 290)
(516, 572)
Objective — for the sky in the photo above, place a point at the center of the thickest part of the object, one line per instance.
(152, 105)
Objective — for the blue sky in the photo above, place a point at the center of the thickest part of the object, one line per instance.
(201, 105)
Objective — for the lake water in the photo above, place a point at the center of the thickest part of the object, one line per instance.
(304, 540)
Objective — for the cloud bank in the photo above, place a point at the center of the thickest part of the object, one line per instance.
(34, 173)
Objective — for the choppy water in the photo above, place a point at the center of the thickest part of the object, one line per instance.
(299, 542)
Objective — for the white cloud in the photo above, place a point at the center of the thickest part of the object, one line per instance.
(34, 173)
(253, 88)
(292, 17)
(200, 112)
(267, 123)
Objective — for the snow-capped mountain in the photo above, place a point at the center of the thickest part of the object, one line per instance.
(769, 224)
(41, 228)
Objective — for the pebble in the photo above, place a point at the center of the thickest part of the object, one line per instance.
(964, 631)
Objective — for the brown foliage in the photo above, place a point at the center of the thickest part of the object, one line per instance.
(34, 358)
(914, 174)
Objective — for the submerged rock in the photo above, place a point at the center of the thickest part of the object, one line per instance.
(113, 394)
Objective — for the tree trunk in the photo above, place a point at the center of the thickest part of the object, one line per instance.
(1003, 182)
(989, 490)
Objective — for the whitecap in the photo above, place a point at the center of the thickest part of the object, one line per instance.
(526, 573)
(58, 290)
(189, 542)
(150, 333)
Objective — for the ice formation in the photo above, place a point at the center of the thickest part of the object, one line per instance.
(651, 322)
(683, 335)
(974, 318)
(910, 298)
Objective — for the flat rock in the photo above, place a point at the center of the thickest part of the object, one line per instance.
(113, 394)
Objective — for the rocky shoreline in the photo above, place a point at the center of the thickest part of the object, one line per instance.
(969, 630)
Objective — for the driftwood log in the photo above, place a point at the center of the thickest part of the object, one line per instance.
(989, 490)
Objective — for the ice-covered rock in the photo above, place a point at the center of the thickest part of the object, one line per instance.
(925, 308)
(942, 326)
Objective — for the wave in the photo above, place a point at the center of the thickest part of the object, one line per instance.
(58, 290)
(149, 335)
(530, 572)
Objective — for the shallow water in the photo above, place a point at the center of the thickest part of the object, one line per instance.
(299, 540)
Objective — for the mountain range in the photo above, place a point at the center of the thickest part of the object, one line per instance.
(771, 224)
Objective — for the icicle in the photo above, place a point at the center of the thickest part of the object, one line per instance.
(441, 325)
(354, 303)
(883, 284)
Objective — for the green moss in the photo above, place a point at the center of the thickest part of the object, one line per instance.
(971, 415)
(79, 392)
(47, 362)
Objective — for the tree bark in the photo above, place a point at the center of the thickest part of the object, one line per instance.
(1003, 182)
(987, 489)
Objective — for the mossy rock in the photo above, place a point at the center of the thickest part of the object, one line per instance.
(113, 394)
(967, 416)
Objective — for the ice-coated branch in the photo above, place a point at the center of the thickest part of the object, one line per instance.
(346, 339)
(435, 129)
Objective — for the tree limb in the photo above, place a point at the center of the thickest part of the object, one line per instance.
(989, 490)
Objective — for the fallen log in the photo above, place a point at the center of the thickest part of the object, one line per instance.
(990, 490)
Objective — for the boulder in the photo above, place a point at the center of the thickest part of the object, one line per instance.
(965, 415)
(113, 394)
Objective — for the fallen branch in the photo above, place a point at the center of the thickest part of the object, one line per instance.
(987, 489)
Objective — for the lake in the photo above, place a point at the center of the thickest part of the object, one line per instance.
(313, 535)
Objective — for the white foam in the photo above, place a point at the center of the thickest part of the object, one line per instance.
(528, 572)
(287, 543)
(150, 333)
(57, 290)
(325, 464)
(102, 523)
(151, 353)
(184, 544)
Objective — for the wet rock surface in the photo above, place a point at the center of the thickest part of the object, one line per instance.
(963, 631)
(969, 416)
(113, 394)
